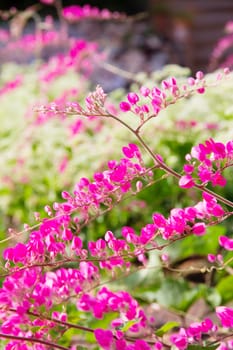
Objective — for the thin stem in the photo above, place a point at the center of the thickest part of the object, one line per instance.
(76, 208)
(63, 323)
(34, 340)
(165, 167)
(216, 342)
(66, 324)
(117, 71)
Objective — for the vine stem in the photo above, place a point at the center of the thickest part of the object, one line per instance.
(165, 167)
(65, 324)
(34, 340)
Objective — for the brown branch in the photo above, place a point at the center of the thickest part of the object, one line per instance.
(34, 340)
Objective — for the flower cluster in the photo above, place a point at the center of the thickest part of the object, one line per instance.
(27, 289)
(190, 219)
(94, 106)
(75, 13)
(150, 101)
(77, 57)
(11, 85)
(225, 314)
(28, 46)
(192, 334)
(58, 270)
(160, 97)
(25, 293)
(89, 199)
(206, 163)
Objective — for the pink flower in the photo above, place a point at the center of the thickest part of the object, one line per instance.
(104, 338)
(211, 258)
(16, 254)
(131, 151)
(222, 346)
(141, 345)
(144, 91)
(218, 180)
(204, 173)
(186, 181)
(199, 229)
(158, 345)
(226, 242)
(225, 314)
(199, 75)
(125, 106)
(132, 98)
(118, 174)
(180, 340)
(201, 90)
(191, 81)
(188, 168)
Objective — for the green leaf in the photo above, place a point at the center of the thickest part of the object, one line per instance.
(224, 288)
(166, 328)
(213, 297)
(177, 294)
(202, 244)
(128, 324)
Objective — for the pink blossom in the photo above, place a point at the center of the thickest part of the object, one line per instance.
(145, 109)
(222, 346)
(226, 242)
(63, 164)
(158, 345)
(199, 75)
(165, 84)
(201, 90)
(141, 345)
(180, 340)
(125, 106)
(130, 235)
(186, 181)
(199, 229)
(225, 314)
(131, 151)
(204, 173)
(104, 338)
(191, 81)
(16, 254)
(132, 98)
(145, 91)
(188, 168)
(211, 258)
(207, 325)
(11, 85)
(218, 180)
(75, 13)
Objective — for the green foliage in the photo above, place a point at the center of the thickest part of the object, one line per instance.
(224, 287)
(166, 328)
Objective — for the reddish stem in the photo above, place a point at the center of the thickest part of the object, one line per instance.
(34, 340)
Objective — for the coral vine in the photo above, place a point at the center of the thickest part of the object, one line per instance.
(57, 272)
(28, 287)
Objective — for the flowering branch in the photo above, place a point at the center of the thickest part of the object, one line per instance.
(38, 278)
(33, 340)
